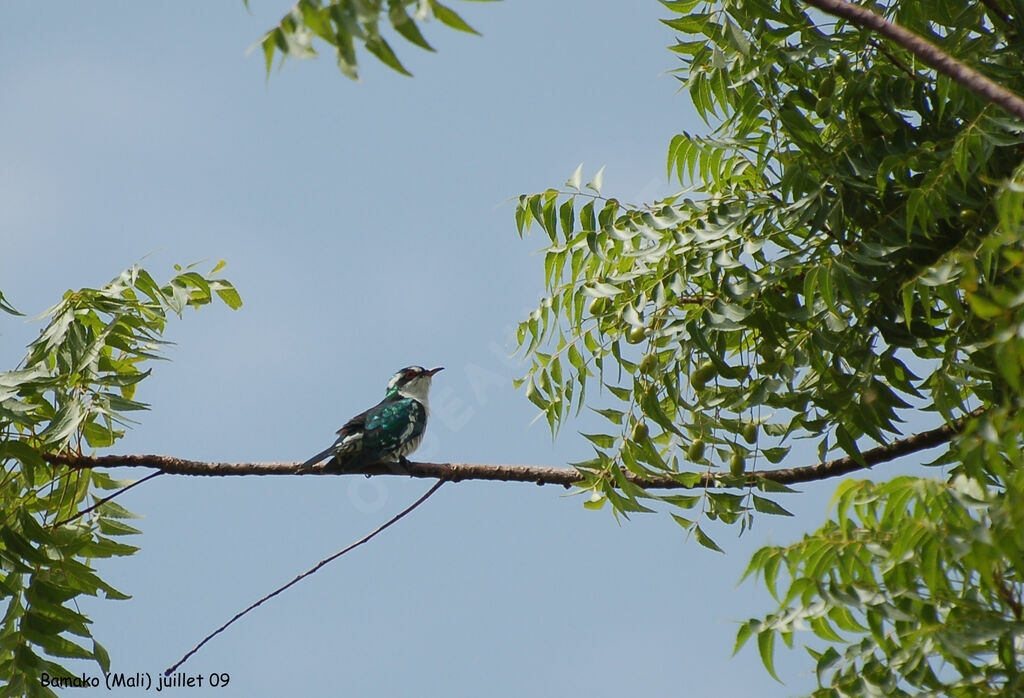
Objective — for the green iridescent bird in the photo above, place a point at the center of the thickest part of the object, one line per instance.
(390, 430)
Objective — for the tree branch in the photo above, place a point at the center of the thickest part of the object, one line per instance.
(541, 475)
(994, 8)
(925, 50)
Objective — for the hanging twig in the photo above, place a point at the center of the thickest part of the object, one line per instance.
(996, 10)
(103, 501)
(305, 574)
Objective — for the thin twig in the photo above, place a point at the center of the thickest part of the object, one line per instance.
(997, 10)
(928, 52)
(103, 501)
(305, 574)
(879, 46)
(1004, 593)
(541, 475)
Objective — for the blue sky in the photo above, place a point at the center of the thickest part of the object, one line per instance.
(367, 227)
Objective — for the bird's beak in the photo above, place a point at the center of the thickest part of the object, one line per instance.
(434, 370)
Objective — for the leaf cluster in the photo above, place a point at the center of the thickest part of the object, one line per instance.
(847, 247)
(915, 586)
(343, 24)
(75, 389)
(829, 264)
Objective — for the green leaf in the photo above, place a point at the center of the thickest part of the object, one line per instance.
(984, 307)
(405, 26)
(64, 424)
(614, 416)
(847, 443)
(684, 522)
(567, 217)
(600, 440)
(15, 543)
(828, 659)
(102, 658)
(24, 454)
(691, 23)
(704, 540)
(651, 406)
(8, 308)
(596, 183)
(56, 645)
(116, 511)
(573, 183)
(113, 527)
(269, 44)
(449, 17)
(227, 293)
(380, 48)
(767, 506)
(766, 647)
(744, 633)
(588, 221)
(775, 454)
(99, 436)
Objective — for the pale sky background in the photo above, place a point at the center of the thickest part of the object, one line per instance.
(366, 227)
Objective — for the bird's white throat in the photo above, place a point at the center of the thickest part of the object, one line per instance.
(417, 389)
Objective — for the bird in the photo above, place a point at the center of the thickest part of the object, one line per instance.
(390, 430)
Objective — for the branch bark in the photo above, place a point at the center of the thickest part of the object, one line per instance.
(925, 50)
(541, 475)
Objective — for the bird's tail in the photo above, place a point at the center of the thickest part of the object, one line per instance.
(319, 457)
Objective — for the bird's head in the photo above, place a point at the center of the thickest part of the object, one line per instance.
(412, 381)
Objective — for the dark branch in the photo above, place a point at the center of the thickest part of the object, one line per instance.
(305, 574)
(996, 10)
(1006, 594)
(880, 47)
(925, 50)
(541, 475)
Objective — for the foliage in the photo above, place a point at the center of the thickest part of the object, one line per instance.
(74, 390)
(343, 23)
(848, 247)
(924, 574)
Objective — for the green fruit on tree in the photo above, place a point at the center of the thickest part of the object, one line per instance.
(750, 432)
(640, 431)
(842, 65)
(737, 464)
(648, 364)
(635, 335)
(598, 306)
(696, 450)
(700, 377)
(969, 216)
(827, 87)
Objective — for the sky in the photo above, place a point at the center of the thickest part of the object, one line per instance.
(367, 227)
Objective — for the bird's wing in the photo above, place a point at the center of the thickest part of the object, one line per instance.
(392, 423)
(349, 436)
(361, 422)
(379, 430)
